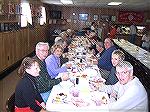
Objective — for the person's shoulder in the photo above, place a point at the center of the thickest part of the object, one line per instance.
(35, 57)
(112, 48)
(24, 82)
(50, 57)
(136, 84)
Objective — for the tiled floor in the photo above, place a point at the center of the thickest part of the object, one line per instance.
(7, 87)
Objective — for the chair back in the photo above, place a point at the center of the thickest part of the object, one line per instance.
(10, 103)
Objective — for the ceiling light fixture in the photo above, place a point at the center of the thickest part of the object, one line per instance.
(114, 3)
(66, 1)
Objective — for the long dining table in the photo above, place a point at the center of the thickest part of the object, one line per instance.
(78, 93)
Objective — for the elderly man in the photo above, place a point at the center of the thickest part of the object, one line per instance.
(104, 62)
(44, 82)
(128, 94)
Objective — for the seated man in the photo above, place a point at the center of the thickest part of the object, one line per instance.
(44, 82)
(128, 94)
(117, 57)
(104, 62)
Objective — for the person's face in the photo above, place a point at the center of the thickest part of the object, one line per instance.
(42, 53)
(58, 52)
(124, 75)
(88, 32)
(35, 69)
(107, 44)
(115, 59)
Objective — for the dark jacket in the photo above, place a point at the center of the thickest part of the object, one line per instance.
(105, 60)
(44, 82)
(26, 93)
(112, 78)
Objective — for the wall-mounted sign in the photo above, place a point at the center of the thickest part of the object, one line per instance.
(130, 16)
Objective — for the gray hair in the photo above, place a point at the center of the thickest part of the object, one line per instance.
(125, 64)
(39, 44)
(61, 42)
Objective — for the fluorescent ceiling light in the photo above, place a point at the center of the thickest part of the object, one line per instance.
(114, 3)
(66, 1)
(140, 27)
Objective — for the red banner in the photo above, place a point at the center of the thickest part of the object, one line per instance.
(130, 16)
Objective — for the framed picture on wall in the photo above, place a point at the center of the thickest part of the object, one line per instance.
(105, 17)
(113, 18)
(95, 17)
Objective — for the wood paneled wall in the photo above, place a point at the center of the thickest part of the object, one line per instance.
(17, 44)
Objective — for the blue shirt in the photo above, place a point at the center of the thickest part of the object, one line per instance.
(105, 60)
(53, 66)
(112, 78)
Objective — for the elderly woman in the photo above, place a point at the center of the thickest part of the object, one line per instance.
(27, 97)
(53, 61)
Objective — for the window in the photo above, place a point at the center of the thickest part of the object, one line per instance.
(25, 14)
(43, 16)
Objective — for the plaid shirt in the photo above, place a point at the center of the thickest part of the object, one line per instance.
(44, 81)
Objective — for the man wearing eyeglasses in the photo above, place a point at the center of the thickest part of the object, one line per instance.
(44, 82)
(128, 94)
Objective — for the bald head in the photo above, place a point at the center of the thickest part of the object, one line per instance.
(108, 43)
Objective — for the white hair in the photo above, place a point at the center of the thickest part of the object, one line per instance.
(125, 64)
(57, 39)
(39, 44)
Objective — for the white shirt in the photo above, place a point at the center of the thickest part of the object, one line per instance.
(130, 97)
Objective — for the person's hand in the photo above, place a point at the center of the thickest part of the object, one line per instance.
(95, 61)
(101, 49)
(43, 105)
(65, 77)
(68, 65)
(114, 94)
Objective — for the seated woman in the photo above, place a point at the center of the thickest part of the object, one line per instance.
(117, 57)
(27, 97)
(53, 61)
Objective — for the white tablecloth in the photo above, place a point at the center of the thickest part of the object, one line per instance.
(64, 87)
